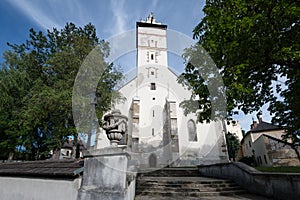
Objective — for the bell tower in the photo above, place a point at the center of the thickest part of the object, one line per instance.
(151, 43)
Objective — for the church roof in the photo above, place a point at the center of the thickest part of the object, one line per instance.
(143, 24)
(47, 168)
(264, 126)
(150, 22)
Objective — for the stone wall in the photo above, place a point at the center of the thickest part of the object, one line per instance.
(18, 188)
(274, 185)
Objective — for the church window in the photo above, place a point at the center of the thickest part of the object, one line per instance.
(192, 131)
(152, 131)
(153, 113)
(153, 86)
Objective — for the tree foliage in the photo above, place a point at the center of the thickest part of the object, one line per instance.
(36, 83)
(233, 145)
(255, 45)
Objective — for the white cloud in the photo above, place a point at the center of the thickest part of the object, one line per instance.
(120, 17)
(35, 11)
(154, 4)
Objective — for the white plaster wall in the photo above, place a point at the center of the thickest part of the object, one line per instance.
(144, 41)
(246, 146)
(260, 150)
(12, 188)
(167, 88)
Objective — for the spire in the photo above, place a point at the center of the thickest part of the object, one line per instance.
(150, 19)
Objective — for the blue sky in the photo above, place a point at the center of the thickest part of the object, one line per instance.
(110, 17)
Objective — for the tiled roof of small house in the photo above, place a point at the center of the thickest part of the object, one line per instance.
(48, 168)
(69, 145)
(264, 126)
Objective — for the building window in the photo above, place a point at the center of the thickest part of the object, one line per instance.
(152, 73)
(152, 56)
(259, 160)
(153, 86)
(152, 131)
(265, 159)
(153, 113)
(192, 131)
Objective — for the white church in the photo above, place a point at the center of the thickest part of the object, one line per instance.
(159, 134)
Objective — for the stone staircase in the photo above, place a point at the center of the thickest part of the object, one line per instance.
(182, 183)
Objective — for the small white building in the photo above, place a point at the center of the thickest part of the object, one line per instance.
(159, 133)
(264, 143)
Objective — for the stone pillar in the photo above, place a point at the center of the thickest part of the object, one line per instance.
(106, 176)
(107, 173)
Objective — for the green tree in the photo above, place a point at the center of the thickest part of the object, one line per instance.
(233, 145)
(255, 44)
(37, 81)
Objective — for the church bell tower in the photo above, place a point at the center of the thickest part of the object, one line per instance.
(151, 42)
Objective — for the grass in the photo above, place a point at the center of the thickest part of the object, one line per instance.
(284, 169)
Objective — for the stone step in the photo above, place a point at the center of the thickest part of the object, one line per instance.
(191, 186)
(186, 189)
(184, 183)
(187, 194)
(182, 180)
(187, 184)
(173, 172)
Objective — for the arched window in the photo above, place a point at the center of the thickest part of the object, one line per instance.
(192, 131)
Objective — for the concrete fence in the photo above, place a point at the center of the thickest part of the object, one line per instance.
(274, 185)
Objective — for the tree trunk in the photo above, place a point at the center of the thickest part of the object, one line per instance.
(10, 156)
(56, 154)
(297, 152)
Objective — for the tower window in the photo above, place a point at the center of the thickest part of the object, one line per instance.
(152, 57)
(153, 86)
(152, 131)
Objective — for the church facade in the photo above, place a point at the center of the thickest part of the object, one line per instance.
(159, 134)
